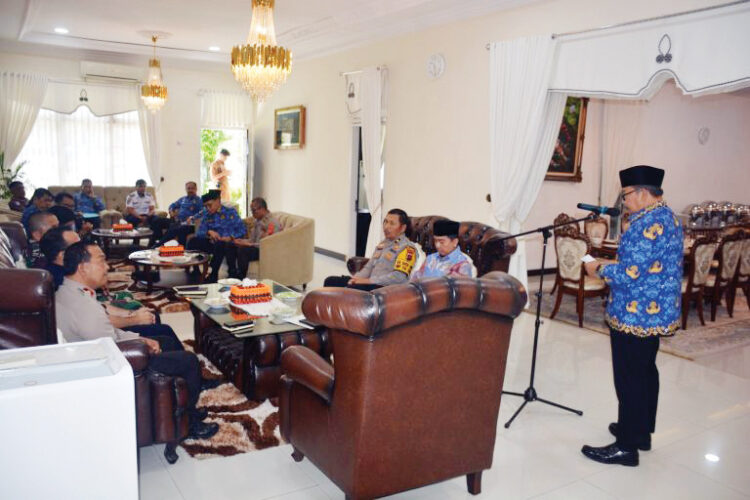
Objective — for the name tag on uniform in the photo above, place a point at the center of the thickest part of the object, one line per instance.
(389, 255)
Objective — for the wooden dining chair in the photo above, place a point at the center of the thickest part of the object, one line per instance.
(717, 285)
(742, 276)
(596, 229)
(572, 229)
(698, 265)
(571, 276)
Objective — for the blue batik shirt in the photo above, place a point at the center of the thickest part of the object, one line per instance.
(455, 263)
(88, 204)
(187, 206)
(226, 221)
(645, 283)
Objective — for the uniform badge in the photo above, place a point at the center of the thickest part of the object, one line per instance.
(406, 260)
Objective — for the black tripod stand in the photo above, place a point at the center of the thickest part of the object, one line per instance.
(529, 395)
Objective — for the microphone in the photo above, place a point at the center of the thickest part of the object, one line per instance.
(613, 212)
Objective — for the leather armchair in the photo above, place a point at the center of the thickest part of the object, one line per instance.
(414, 393)
(27, 318)
(481, 242)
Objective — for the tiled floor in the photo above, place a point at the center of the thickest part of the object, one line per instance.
(704, 409)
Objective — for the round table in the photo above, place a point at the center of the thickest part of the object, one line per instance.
(108, 236)
(146, 260)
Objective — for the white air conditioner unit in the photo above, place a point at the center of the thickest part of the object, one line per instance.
(97, 72)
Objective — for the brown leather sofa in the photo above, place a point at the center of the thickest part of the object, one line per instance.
(479, 241)
(27, 318)
(414, 393)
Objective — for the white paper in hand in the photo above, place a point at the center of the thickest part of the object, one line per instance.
(587, 258)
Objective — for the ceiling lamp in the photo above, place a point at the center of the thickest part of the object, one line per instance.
(154, 92)
(261, 66)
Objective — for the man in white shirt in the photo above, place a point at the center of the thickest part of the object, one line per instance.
(141, 206)
(81, 317)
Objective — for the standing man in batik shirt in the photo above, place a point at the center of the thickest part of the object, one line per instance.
(219, 226)
(220, 175)
(266, 224)
(644, 304)
(392, 262)
(86, 202)
(449, 260)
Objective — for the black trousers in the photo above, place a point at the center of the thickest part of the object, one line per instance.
(176, 231)
(245, 255)
(157, 224)
(343, 281)
(636, 384)
(174, 360)
(218, 250)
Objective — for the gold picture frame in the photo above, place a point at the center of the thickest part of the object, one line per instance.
(289, 128)
(565, 164)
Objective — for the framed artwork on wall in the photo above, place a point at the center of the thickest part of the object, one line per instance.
(566, 158)
(289, 128)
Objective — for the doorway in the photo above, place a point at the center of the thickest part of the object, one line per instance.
(362, 214)
(235, 141)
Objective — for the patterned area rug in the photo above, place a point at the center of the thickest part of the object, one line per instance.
(717, 336)
(162, 301)
(244, 425)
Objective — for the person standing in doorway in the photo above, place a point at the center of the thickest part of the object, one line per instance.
(220, 175)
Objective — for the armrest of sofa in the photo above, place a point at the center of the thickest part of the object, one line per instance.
(355, 264)
(306, 367)
(136, 352)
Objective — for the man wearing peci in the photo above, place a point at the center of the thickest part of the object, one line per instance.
(448, 260)
(644, 305)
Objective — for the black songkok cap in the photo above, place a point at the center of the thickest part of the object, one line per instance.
(64, 214)
(445, 228)
(641, 175)
(213, 194)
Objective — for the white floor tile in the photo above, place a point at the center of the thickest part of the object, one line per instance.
(579, 490)
(154, 479)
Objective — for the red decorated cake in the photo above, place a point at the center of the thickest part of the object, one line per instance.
(119, 228)
(173, 251)
(250, 294)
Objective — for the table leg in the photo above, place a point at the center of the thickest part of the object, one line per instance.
(149, 278)
(105, 242)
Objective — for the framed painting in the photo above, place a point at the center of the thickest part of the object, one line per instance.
(566, 158)
(289, 128)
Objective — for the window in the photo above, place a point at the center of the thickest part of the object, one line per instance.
(64, 148)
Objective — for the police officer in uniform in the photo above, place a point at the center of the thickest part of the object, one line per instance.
(644, 305)
(392, 262)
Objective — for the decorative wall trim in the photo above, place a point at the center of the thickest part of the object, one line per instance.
(331, 254)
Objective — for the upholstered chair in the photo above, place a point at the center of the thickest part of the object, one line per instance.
(729, 252)
(414, 392)
(572, 229)
(742, 276)
(698, 265)
(571, 278)
(483, 243)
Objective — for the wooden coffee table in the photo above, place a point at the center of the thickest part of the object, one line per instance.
(109, 237)
(147, 260)
(251, 359)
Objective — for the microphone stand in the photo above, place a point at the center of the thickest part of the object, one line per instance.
(530, 395)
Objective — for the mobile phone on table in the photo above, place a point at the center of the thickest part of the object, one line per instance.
(308, 322)
(241, 322)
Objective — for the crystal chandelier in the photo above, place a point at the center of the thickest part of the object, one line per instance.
(261, 66)
(154, 92)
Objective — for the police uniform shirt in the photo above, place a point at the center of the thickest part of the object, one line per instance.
(226, 221)
(455, 263)
(266, 226)
(88, 204)
(646, 281)
(81, 317)
(187, 206)
(141, 204)
(391, 263)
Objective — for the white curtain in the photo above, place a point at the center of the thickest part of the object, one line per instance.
(64, 148)
(150, 129)
(21, 97)
(524, 123)
(372, 88)
(226, 109)
(620, 125)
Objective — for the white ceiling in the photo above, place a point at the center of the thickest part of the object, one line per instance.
(309, 28)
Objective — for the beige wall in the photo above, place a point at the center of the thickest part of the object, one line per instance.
(437, 146)
(180, 140)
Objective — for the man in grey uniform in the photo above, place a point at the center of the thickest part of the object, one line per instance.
(392, 262)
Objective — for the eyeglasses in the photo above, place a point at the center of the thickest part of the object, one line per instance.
(625, 195)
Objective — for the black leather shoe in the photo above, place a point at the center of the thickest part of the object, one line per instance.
(644, 444)
(203, 430)
(611, 454)
(200, 414)
(210, 384)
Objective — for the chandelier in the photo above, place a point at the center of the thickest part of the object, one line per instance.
(154, 92)
(261, 66)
